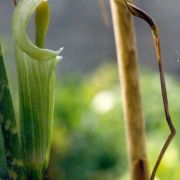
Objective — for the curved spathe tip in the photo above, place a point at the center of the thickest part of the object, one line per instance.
(21, 18)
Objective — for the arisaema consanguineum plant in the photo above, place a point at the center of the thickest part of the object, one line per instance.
(28, 146)
(135, 11)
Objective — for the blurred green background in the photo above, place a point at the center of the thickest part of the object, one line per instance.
(88, 137)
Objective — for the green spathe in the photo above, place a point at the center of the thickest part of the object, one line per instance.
(36, 74)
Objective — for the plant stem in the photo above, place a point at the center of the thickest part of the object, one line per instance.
(9, 127)
(129, 76)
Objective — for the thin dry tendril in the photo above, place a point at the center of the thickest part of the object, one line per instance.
(15, 3)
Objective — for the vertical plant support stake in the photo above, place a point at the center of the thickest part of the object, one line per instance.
(128, 72)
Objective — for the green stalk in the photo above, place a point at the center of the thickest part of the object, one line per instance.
(42, 17)
(9, 128)
(36, 74)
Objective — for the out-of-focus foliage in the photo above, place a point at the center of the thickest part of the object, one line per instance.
(88, 136)
(89, 119)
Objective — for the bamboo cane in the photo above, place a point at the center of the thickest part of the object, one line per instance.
(129, 77)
